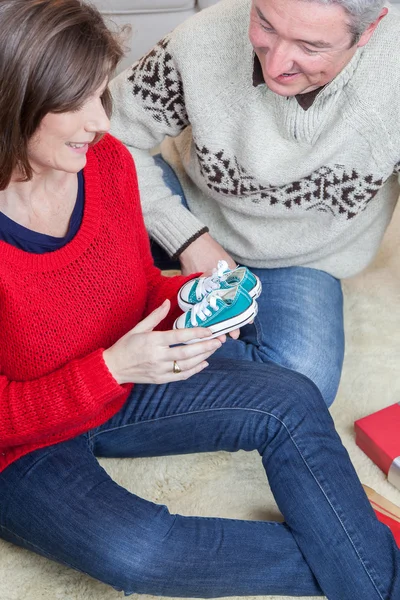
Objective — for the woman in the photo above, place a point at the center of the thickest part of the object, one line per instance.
(80, 299)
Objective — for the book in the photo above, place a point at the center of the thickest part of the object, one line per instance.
(387, 512)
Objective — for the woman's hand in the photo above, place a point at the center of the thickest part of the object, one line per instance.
(145, 356)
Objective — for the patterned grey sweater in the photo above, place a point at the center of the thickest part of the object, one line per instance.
(276, 185)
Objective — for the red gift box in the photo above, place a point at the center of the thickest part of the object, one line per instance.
(378, 435)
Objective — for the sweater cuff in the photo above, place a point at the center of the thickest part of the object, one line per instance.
(173, 230)
(97, 378)
(189, 241)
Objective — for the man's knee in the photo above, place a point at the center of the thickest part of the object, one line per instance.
(325, 376)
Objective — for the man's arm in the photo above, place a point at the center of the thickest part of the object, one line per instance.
(149, 104)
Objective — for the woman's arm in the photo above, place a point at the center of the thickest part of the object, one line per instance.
(67, 397)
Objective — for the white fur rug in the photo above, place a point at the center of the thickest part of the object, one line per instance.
(234, 485)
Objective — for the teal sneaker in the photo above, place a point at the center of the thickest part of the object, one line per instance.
(223, 278)
(222, 311)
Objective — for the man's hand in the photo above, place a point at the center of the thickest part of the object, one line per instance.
(203, 255)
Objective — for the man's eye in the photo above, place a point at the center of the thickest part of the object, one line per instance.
(308, 51)
(266, 28)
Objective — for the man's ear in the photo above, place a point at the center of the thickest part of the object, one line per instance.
(365, 37)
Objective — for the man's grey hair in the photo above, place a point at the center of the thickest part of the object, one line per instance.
(362, 13)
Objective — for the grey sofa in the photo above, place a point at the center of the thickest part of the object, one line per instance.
(150, 20)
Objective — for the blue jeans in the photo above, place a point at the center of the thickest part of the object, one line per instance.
(300, 317)
(60, 503)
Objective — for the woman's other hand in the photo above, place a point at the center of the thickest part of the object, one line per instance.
(146, 356)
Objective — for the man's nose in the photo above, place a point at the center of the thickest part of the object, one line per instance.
(278, 59)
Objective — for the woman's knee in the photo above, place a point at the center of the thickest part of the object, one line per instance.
(271, 389)
(277, 403)
(301, 396)
(297, 412)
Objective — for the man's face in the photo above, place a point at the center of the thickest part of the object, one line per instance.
(301, 45)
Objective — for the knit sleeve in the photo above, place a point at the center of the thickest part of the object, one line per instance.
(149, 100)
(30, 411)
(149, 104)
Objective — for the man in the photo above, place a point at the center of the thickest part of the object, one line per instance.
(280, 119)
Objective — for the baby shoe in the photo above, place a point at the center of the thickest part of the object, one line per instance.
(222, 310)
(195, 290)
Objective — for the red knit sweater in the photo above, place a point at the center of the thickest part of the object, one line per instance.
(59, 310)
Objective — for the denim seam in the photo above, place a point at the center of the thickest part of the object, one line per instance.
(298, 450)
(371, 577)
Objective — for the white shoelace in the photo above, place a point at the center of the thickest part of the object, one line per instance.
(204, 309)
(212, 282)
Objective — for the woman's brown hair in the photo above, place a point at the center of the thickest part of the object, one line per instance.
(54, 54)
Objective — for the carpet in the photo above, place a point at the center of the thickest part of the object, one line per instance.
(234, 486)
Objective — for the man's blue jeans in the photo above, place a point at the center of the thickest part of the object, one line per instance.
(59, 502)
(300, 317)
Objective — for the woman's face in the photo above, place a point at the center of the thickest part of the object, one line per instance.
(63, 139)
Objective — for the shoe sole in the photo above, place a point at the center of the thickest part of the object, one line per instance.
(257, 289)
(254, 293)
(230, 324)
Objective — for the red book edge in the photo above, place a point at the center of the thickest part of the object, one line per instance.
(393, 525)
(385, 511)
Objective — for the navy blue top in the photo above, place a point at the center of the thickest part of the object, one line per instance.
(39, 243)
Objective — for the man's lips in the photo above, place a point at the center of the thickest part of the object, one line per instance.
(286, 77)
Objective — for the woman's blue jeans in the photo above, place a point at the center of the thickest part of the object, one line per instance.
(59, 502)
(300, 317)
